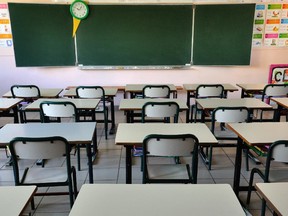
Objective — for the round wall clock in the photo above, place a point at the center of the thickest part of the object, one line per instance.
(79, 9)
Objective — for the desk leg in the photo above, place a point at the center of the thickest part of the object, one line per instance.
(112, 130)
(15, 113)
(128, 164)
(91, 156)
(237, 170)
(188, 104)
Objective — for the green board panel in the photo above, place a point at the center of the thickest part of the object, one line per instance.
(223, 34)
(42, 34)
(115, 35)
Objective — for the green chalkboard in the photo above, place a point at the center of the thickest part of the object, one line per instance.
(115, 35)
(223, 34)
(42, 34)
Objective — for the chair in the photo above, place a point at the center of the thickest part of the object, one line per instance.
(156, 91)
(29, 93)
(274, 90)
(58, 111)
(160, 110)
(206, 91)
(221, 116)
(275, 169)
(182, 145)
(48, 148)
(96, 92)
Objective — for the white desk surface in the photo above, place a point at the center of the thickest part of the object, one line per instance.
(157, 200)
(75, 133)
(251, 103)
(134, 134)
(44, 92)
(193, 87)
(8, 103)
(79, 103)
(137, 104)
(252, 86)
(281, 101)
(139, 87)
(260, 132)
(14, 199)
(71, 92)
(275, 195)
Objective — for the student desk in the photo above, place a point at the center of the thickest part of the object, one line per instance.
(6, 104)
(255, 133)
(129, 135)
(157, 200)
(249, 90)
(210, 104)
(75, 133)
(282, 104)
(81, 104)
(14, 199)
(109, 92)
(191, 91)
(275, 195)
(44, 93)
(135, 89)
(131, 105)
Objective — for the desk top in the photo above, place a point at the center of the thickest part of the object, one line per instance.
(79, 103)
(137, 104)
(134, 134)
(276, 195)
(252, 86)
(281, 101)
(193, 87)
(44, 92)
(71, 92)
(8, 103)
(251, 103)
(14, 199)
(260, 133)
(75, 133)
(139, 87)
(157, 200)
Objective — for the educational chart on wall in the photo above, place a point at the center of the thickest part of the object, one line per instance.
(271, 25)
(5, 27)
(278, 73)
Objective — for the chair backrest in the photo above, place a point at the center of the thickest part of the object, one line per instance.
(277, 152)
(210, 91)
(38, 147)
(229, 115)
(97, 92)
(275, 90)
(156, 91)
(25, 91)
(170, 145)
(57, 109)
(160, 110)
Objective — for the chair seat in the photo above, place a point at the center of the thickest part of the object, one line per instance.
(47, 175)
(227, 134)
(167, 171)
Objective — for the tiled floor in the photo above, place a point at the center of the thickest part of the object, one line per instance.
(109, 167)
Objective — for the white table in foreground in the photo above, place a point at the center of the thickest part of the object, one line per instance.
(129, 135)
(14, 199)
(275, 195)
(74, 133)
(157, 200)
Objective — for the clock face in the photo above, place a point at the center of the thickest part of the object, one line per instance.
(79, 9)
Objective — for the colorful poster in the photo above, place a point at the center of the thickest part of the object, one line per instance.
(272, 24)
(278, 73)
(259, 25)
(5, 27)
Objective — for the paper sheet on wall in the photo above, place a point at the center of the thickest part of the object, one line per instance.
(5, 27)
